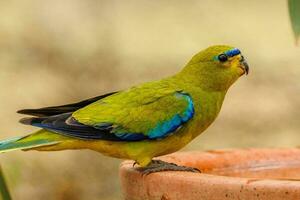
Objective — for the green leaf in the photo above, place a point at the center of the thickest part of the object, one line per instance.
(294, 9)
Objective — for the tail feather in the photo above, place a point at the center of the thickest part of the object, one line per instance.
(26, 142)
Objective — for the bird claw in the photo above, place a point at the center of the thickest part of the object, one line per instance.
(160, 166)
(134, 164)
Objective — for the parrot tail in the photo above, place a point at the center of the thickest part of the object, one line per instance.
(42, 138)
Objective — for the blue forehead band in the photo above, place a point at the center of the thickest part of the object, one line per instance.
(233, 52)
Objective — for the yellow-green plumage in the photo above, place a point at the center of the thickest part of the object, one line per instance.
(148, 120)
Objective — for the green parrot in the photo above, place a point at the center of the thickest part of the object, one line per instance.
(143, 122)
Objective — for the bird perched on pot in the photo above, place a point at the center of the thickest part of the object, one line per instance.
(143, 122)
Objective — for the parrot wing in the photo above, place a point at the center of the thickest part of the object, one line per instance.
(126, 116)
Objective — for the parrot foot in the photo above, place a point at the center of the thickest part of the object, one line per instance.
(160, 166)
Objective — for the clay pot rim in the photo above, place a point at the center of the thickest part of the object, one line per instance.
(128, 166)
(197, 177)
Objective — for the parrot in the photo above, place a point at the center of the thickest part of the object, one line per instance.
(143, 122)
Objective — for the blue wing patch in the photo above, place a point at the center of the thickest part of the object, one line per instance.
(163, 129)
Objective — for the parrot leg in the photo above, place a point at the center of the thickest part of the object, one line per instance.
(160, 166)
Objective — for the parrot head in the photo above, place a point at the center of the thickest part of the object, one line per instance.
(217, 67)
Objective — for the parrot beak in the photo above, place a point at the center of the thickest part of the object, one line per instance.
(244, 65)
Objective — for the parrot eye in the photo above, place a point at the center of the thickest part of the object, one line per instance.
(222, 57)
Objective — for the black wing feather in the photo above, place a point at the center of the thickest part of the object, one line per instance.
(66, 125)
(56, 110)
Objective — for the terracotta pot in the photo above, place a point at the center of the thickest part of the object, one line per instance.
(260, 174)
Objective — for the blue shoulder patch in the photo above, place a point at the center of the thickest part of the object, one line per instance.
(165, 128)
(162, 129)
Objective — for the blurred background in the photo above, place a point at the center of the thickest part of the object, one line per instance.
(62, 51)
